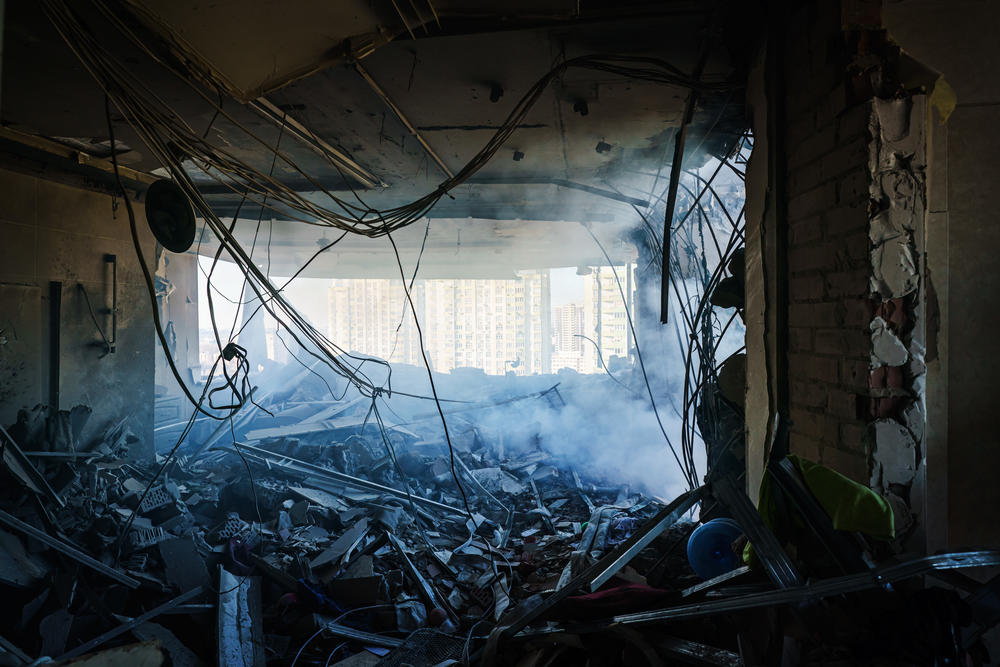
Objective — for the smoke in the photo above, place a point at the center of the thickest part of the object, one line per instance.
(604, 428)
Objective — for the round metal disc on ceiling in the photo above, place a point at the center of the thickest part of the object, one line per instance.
(169, 216)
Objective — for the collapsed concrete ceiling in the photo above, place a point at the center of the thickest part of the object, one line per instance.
(593, 149)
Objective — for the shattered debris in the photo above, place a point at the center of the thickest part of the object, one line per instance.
(350, 545)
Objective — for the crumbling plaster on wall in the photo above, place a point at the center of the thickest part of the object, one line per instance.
(897, 163)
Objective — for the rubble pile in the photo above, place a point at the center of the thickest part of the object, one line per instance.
(311, 531)
(342, 538)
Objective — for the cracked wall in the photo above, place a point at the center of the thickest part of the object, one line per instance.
(897, 164)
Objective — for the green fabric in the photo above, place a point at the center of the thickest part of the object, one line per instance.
(852, 507)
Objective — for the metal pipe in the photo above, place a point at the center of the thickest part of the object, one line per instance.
(125, 627)
(348, 480)
(62, 547)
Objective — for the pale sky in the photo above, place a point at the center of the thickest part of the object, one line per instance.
(567, 287)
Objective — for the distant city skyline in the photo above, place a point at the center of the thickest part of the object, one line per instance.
(499, 326)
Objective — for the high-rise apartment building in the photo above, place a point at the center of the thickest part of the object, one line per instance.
(495, 325)
(604, 317)
(567, 325)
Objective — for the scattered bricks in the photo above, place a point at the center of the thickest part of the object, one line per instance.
(157, 497)
(845, 220)
(800, 339)
(806, 231)
(846, 283)
(806, 288)
(854, 373)
(804, 446)
(841, 342)
(809, 394)
(852, 436)
(809, 258)
(812, 201)
(143, 538)
(852, 464)
(813, 367)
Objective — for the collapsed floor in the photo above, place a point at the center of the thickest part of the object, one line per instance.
(333, 539)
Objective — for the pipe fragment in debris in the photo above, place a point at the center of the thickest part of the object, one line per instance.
(426, 588)
(715, 581)
(367, 638)
(640, 539)
(125, 627)
(9, 648)
(693, 653)
(288, 463)
(776, 562)
(67, 550)
(850, 583)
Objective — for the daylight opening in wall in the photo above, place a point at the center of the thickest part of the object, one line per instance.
(546, 340)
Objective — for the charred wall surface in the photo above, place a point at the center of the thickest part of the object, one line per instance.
(56, 239)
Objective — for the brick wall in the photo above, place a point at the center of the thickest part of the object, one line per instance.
(854, 160)
(828, 247)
